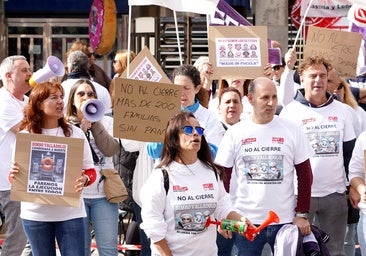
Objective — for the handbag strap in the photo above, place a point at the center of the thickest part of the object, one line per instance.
(95, 156)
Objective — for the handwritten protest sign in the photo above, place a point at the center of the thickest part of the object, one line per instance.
(341, 48)
(142, 109)
(49, 166)
(238, 52)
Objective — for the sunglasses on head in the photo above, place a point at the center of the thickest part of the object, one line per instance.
(340, 87)
(82, 94)
(187, 129)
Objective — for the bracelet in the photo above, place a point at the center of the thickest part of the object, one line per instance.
(304, 215)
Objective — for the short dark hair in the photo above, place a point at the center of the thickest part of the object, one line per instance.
(190, 71)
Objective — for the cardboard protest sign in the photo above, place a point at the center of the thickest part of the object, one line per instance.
(142, 109)
(341, 48)
(145, 67)
(238, 51)
(49, 166)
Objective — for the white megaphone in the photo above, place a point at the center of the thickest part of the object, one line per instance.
(53, 67)
(93, 110)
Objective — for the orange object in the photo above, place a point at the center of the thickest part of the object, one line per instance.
(47, 164)
(250, 232)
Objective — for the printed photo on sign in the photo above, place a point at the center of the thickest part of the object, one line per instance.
(244, 52)
(47, 169)
(146, 71)
(264, 168)
(191, 218)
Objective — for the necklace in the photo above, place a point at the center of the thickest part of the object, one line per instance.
(186, 165)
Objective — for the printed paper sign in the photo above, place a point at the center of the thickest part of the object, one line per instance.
(49, 166)
(238, 51)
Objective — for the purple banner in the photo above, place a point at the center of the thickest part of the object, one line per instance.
(225, 15)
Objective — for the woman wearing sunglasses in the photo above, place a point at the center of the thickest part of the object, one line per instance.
(174, 211)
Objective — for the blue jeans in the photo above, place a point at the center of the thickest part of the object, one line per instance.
(350, 239)
(16, 239)
(145, 242)
(104, 218)
(224, 246)
(361, 233)
(254, 248)
(41, 236)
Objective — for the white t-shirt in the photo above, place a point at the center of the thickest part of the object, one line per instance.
(357, 164)
(326, 129)
(180, 216)
(263, 157)
(11, 113)
(96, 190)
(45, 212)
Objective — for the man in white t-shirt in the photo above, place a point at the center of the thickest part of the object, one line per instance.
(327, 124)
(266, 152)
(15, 74)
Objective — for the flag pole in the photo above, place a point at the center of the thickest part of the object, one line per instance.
(302, 24)
(178, 40)
(129, 40)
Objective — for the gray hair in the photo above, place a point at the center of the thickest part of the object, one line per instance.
(77, 61)
(7, 65)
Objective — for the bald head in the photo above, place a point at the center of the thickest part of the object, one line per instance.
(260, 81)
(262, 94)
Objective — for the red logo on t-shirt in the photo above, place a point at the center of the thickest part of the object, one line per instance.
(309, 120)
(208, 186)
(177, 188)
(248, 141)
(333, 118)
(278, 140)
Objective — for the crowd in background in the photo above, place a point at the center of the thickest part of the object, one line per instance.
(291, 141)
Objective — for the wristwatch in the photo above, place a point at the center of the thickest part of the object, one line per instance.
(304, 215)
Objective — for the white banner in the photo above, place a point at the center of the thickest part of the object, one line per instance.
(357, 15)
(326, 8)
(195, 6)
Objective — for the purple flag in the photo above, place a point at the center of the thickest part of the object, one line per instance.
(225, 15)
(362, 31)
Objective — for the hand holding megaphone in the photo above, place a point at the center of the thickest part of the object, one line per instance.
(93, 110)
(53, 67)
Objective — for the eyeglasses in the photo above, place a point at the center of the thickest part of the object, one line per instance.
(89, 94)
(187, 129)
(340, 87)
(90, 54)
